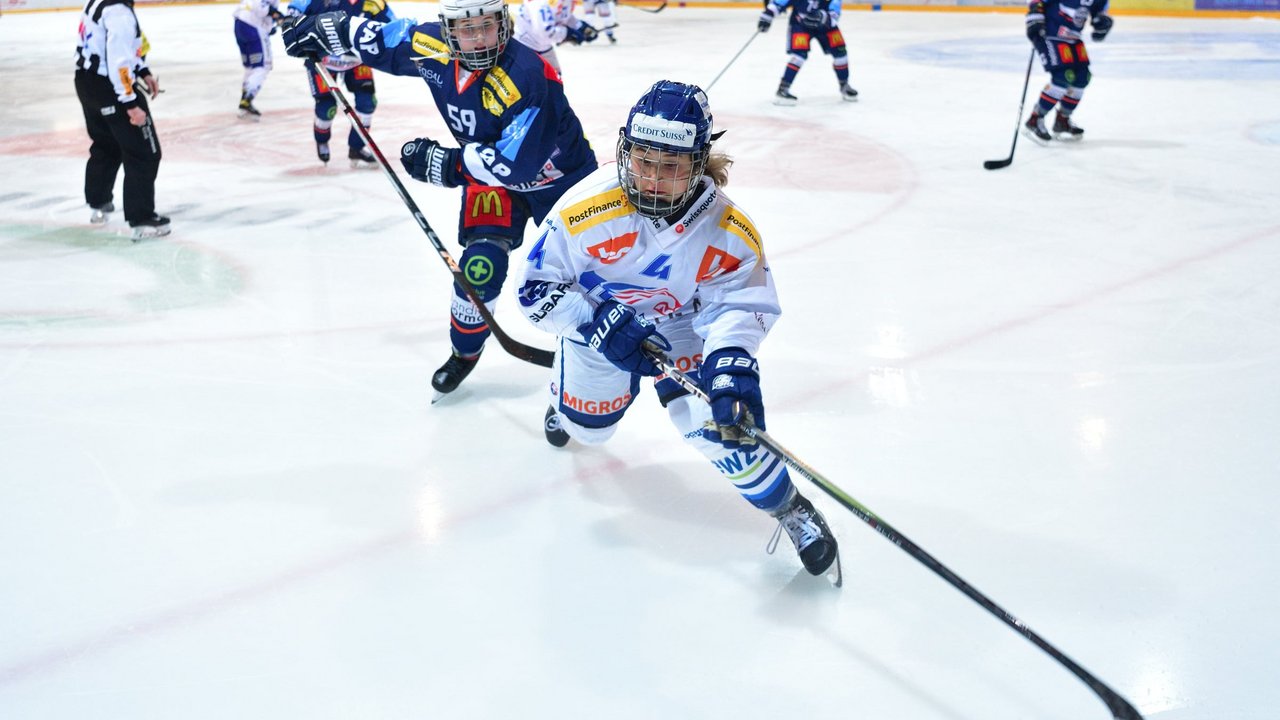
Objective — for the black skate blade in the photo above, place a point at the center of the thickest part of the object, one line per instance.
(1028, 134)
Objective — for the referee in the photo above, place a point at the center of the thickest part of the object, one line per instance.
(110, 63)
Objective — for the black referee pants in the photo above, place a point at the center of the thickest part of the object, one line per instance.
(115, 142)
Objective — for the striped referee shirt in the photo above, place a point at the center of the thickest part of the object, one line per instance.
(111, 45)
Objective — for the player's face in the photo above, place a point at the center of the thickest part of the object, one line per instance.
(477, 33)
(660, 174)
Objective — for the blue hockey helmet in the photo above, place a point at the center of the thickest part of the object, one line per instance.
(664, 147)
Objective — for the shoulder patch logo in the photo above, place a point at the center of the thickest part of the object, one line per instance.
(490, 102)
(612, 250)
(430, 48)
(594, 210)
(503, 87)
(738, 224)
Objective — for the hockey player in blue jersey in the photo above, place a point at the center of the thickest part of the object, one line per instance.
(343, 68)
(811, 20)
(521, 144)
(1056, 28)
(653, 251)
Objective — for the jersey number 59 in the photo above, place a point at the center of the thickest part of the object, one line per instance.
(462, 121)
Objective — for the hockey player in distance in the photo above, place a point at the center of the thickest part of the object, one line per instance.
(604, 11)
(651, 251)
(255, 23)
(521, 144)
(811, 20)
(543, 24)
(344, 68)
(1055, 28)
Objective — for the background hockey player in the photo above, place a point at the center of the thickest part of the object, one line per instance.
(1055, 28)
(811, 20)
(543, 24)
(521, 144)
(344, 68)
(652, 250)
(111, 67)
(604, 10)
(255, 22)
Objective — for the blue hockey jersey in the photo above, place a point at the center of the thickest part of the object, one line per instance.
(513, 122)
(800, 8)
(1065, 19)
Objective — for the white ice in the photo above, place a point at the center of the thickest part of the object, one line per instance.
(224, 492)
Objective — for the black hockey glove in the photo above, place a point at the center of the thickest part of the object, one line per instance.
(731, 379)
(1035, 22)
(584, 33)
(816, 20)
(1101, 26)
(766, 20)
(318, 35)
(426, 160)
(619, 334)
(1035, 31)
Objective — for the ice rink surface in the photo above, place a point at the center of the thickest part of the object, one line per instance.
(224, 492)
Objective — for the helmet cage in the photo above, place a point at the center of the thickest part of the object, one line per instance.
(484, 58)
(656, 167)
(668, 130)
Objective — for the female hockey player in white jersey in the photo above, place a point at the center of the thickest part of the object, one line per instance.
(255, 22)
(652, 250)
(541, 25)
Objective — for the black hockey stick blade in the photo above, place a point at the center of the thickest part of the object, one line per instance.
(1119, 707)
(514, 347)
(997, 164)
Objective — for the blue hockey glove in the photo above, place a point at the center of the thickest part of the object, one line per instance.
(766, 20)
(318, 35)
(426, 160)
(584, 33)
(816, 20)
(1101, 26)
(731, 379)
(619, 334)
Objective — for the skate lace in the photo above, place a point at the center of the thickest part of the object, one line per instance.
(800, 528)
(454, 364)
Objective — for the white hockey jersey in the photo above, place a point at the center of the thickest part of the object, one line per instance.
(707, 267)
(543, 24)
(257, 13)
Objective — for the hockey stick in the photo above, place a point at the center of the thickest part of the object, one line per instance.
(735, 59)
(1119, 707)
(658, 9)
(997, 164)
(534, 355)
